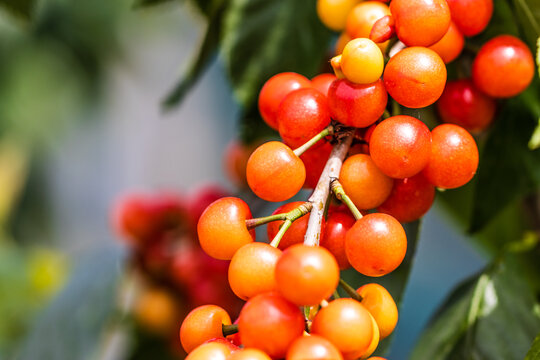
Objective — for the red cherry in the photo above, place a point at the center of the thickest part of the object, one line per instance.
(338, 223)
(471, 16)
(322, 82)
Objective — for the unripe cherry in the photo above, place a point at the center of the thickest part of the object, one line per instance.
(362, 61)
(381, 306)
(363, 16)
(333, 13)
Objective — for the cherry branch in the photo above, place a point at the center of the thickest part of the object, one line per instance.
(322, 190)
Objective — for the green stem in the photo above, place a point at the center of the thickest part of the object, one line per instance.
(229, 329)
(253, 223)
(350, 290)
(329, 130)
(289, 218)
(337, 188)
(336, 295)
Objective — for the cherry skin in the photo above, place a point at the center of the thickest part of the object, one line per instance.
(420, 22)
(297, 231)
(400, 146)
(504, 67)
(345, 323)
(306, 275)
(362, 61)
(366, 185)
(451, 44)
(355, 104)
(381, 306)
(454, 157)
(222, 229)
(203, 196)
(302, 114)
(202, 324)
(342, 40)
(322, 82)
(337, 225)
(333, 13)
(374, 340)
(471, 16)
(235, 161)
(249, 354)
(376, 244)
(463, 104)
(251, 271)
(274, 91)
(415, 77)
(270, 323)
(314, 160)
(363, 16)
(313, 347)
(274, 172)
(410, 199)
(212, 350)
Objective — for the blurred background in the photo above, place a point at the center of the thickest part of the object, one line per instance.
(81, 123)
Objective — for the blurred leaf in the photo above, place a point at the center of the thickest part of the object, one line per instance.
(534, 142)
(22, 8)
(14, 159)
(396, 281)
(492, 317)
(141, 3)
(206, 53)
(534, 352)
(262, 38)
(73, 325)
(528, 13)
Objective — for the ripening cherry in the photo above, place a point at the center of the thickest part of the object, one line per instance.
(270, 323)
(380, 304)
(347, 324)
(249, 354)
(363, 16)
(201, 197)
(235, 161)
(451, 45)
(306, 275)
(322, 82)
(463, 104)
(504, 67)
(342, 40)
(471, 16)
(362, 61)
(420, 22)
(454, 157)
(252, 270)
(222, 229)
(376, 244)
(313, 347)
(410, 199)
(215, 350)
(297, 231)
(400, 146)
(274, 91)
(355, 104)
(374, 340)
(366, 185)
(157, 311)
(202, 324)
(415, 77)
(302, 114)
(333, 13)
(314, 160)
(339, 221)
(274, 172)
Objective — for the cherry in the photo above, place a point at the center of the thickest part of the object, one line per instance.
(212, 350)
(463, 104)
(504, 67)
(420, 22)
(342, 40)
(400, 146)
(249, 354)
(314, 160)
(415, 77)
(202, 324)
(201, 197)
(451, 44)
(454, 157)
(270, 323)
(471, 16)
(274, 91)
(235, 161)
(381, 306)
(322, 82)
(410, 199)
(222, 229)
(313, 347)
(274, 172)
(357, 105)
(157, 311)
(333, 13)
(339, 221)
(376, 244)
(363, 16)
(362, 61)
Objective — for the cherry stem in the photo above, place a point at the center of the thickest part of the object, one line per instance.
(289, 218)
(337, 188)
(329, 130)
(253, 223)
(386, 115)
(229, 329)
(322, 190)
(350, 290)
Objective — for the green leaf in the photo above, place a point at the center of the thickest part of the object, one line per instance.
(396, 281)
(492, 316)
(20, 8)
(528, 13)
(534, 352)
(141, 3)
(200, 62)
(73, 326)
(262, 38)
